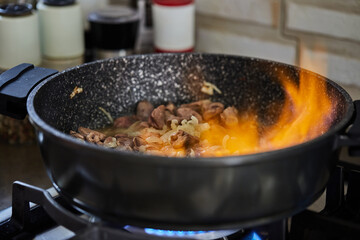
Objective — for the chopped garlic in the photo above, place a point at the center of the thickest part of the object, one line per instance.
(192, 153)
(209, 88)
(174, 123)
(111, 143)
(76, 90)
(107, 114)
(224, 141)
(153, 139)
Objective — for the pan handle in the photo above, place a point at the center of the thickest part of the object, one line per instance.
(15, 86)
(352, 137)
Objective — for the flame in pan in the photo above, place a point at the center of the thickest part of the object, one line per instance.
(306, 114)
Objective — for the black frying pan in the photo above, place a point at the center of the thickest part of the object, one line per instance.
(177, 193)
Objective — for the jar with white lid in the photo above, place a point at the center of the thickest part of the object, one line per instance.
(174, 25)
(19, 35)
(61, 29)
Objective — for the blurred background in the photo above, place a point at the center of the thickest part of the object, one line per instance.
(320, 35)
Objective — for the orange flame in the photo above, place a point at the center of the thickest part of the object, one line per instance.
(305, 115)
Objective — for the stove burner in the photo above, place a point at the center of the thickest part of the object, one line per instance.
(253, 236)
(201, 235)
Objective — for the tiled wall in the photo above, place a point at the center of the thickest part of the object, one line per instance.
(320, 35)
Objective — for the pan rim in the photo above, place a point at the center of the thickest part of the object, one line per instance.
(224, 161)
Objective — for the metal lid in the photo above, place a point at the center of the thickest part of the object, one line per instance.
(15, 9)
(59, 3)
(114, 15)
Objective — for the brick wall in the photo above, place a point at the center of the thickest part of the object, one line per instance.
(320, 35)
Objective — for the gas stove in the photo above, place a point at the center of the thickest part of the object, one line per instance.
(42, 214)
(37, 213)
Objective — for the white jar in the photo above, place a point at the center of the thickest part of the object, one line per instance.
(19, 35)
(174, 25)
(61, 29)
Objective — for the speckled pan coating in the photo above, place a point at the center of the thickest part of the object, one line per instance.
(180, 193)
(117, 85)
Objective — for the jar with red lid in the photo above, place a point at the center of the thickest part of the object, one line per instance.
(174, 25)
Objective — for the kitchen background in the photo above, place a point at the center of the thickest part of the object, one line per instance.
(320, 35)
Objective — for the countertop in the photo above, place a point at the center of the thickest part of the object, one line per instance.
(20, 163)
(24, 163)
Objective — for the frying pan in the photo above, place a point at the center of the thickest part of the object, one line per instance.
(175, 193)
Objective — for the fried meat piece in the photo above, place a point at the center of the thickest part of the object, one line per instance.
(123, 141)
(77, 135)
(197, 106)
(183, 140)
(229, 116)
(212, 110)
(110, 142)
(124, 121)
(187, 113)
(92, 135)
(157, 117)
(143, 110)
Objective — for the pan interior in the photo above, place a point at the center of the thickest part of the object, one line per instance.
(116, 85)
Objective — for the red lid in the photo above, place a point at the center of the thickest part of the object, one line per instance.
(173, 3)
(161, 50)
